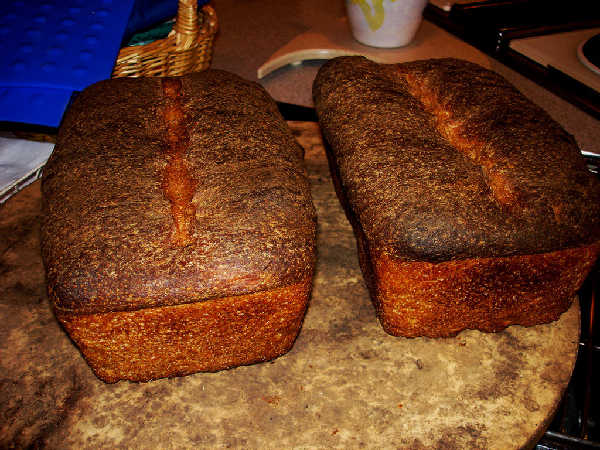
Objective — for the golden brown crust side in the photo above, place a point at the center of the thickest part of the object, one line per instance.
(169, 191)
(488, 294)
(183, 339)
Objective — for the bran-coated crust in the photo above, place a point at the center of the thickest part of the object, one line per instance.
(443, 167)
(108, 229)
(418, 195)
(178, 216)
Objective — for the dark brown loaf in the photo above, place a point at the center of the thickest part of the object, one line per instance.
(179, 231)
(472, 207)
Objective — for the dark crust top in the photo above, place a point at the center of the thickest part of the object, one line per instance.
(111, 201)
(443, 159)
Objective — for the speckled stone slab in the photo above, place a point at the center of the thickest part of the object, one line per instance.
(345, 383)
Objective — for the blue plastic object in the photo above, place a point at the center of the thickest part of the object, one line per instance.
(39, 106)
(52, 48)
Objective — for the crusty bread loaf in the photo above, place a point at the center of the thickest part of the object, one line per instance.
(179, 230)
(472, 208)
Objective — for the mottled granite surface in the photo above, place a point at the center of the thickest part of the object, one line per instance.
(344, 384)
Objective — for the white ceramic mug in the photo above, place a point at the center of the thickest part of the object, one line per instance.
(385, 23)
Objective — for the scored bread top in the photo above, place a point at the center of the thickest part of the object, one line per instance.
(169, 191)
(443, 159)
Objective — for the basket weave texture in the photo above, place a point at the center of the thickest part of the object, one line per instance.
(187, 48)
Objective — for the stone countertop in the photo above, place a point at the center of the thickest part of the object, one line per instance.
(252, 31)
(344, 384)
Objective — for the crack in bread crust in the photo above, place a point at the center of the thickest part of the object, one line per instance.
(178, 184)
(503, 190)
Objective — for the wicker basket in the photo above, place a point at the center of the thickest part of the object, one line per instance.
(187, 48)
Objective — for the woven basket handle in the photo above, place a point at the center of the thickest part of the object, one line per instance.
(186, 26)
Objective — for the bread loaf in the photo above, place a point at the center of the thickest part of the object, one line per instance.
(179, 231)
(472, 208)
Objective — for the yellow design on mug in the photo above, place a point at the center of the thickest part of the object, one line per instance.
(374, 18)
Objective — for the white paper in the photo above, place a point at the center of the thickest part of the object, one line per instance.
(21, 163)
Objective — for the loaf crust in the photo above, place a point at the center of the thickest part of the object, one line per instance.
(183, 339)
(164, 194)
(443, 167)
